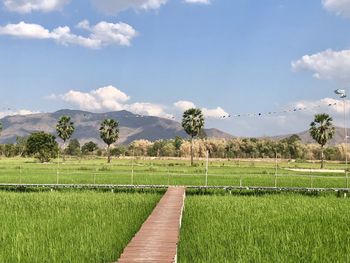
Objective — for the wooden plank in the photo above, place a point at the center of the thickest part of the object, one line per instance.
(157, 239)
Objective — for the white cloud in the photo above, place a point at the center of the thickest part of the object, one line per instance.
(17, 112)
(109, 98)
(109, 33)
(27, 6)
(183, 105)
(329, 64)
(330, 105)
(339, 7)
(205, 2)
(215, 113)
(101, 34)
(25, 30)
(288, 122)
(148, 109)
(113, 7)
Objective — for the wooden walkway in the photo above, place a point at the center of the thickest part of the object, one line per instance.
(158, 237)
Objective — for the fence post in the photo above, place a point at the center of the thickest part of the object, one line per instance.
(276, 167)
(132, 167)
(206, 169)
(58, 167)
(20, 175)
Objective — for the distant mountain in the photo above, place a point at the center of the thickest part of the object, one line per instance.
(339, 136)
(132, 126)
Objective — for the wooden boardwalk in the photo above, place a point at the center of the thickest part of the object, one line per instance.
(157, 239)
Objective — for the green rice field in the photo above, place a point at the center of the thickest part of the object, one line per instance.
(70, 226)
(267, 228)
(169, 172)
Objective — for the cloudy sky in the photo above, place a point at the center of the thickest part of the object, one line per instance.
(160, 57)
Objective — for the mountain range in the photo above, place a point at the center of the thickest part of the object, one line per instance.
(132, 127)
(87, 124)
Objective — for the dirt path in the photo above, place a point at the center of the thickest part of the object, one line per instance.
(157, 239)
(315, 170)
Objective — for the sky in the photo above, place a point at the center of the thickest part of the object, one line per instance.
(161, 57)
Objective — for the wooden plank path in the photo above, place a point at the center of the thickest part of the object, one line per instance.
(157, 239)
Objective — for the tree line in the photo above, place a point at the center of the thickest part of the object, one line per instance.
(44, 146)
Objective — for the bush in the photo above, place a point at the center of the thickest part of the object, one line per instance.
(42, 146)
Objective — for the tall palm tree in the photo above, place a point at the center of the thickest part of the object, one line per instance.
(322, 130)
(65, 129)
(109, 133)
(193, 123)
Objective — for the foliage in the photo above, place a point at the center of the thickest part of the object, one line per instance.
(109, 133)
(193, 123)
(65, 128)
(21, 146)
(73, 148)
(10, 150)
(177, 144)
(42, 146)
(322, 130)
(119, 151)
(89, 147)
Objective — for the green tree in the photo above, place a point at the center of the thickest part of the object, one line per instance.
(193, 123)
(1, 127)
(109, 133)
(178, 141)
(73, 147)
(322, 130)
(21, 146)
(42, 146)
(10, 150)
(65, 129)
(119, 151)
(89, 147)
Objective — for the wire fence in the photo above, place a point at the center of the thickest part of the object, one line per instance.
(151, 174)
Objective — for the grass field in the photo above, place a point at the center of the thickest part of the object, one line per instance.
(169, 172)
(269, 228)
(69, 226)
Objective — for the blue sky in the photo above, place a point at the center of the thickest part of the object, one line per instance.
(158, 57)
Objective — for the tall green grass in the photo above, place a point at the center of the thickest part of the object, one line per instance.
(270, 228)
(69, 226)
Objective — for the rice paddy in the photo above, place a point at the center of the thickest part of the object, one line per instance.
(268, 228)
(95, 226)
(170, 172)
(70, 226)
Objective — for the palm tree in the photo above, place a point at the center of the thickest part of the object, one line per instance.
(193, 123)
(65, 129)
(322, 130)
(109, 133)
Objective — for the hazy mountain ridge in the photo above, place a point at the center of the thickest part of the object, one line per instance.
(338, 138)
(132, 126)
